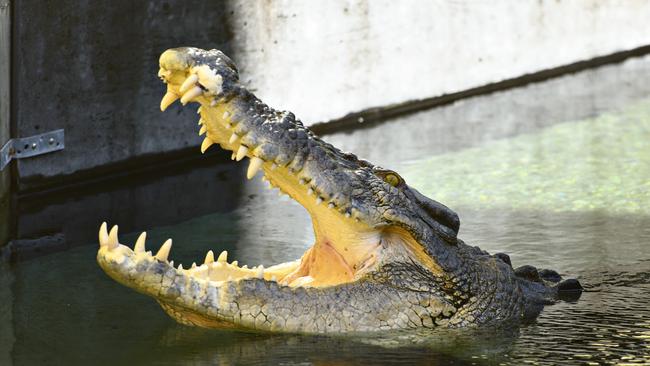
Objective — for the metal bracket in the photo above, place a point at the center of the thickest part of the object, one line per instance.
(26, 147)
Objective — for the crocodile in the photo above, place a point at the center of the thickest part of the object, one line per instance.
(385, 256)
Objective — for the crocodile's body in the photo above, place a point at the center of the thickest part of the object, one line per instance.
(385, 256)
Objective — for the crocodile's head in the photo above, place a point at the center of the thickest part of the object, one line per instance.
(384, 255)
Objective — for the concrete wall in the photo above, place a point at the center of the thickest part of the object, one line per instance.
(90, 66)
(5, 49)
(324, 59)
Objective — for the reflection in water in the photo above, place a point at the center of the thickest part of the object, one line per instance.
(595, 164)
(571, 196)
(78, 314)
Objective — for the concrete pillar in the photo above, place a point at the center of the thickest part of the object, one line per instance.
(5, 88)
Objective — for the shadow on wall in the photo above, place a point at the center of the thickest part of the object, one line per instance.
(90, 67)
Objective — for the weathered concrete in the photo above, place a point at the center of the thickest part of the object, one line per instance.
(90, 67)
(325, 59)
(5, 69)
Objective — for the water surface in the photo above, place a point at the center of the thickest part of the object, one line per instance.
(556, 174)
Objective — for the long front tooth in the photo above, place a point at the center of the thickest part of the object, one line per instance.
(139, 244)
(209, 257)
(112, 238)
(223, 257)
(254, 166)
(103, 235)
(191, 94)
(233, 156)
(162, 73)
(188, 83)
(243, 150)
(203, 130)
(167, 100)
(233, 138)
(163, 252)
(206, 144)
(260, 271)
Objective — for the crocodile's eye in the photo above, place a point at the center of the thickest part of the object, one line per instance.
(388, 176)
(392, 179)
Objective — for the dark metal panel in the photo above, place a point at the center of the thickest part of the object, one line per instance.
(90, 68)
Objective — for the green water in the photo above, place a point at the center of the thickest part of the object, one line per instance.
(600, 163)
(555, 174)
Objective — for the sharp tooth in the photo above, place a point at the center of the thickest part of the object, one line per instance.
(188, 83)
(319, 200)
(243, 150)
(330, 205)
(347, 214)
(200, 121)
(233, 138)
(191, 94)
(254, 166)
(203, 130)
(139, 244)
(171, 263)
(163, 252)
(112, 238)
(180, 266)
(198, 111)
(206, 144)
(223, 257)
(274, 279)
(245, 266)
(209, 257)
(193, 264)
(310, 192)
(233, 156)
(162, 73)
(167, 100)
(234, 263)
(103, 235)
(260, 271)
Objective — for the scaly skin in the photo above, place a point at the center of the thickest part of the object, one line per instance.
(385, 256)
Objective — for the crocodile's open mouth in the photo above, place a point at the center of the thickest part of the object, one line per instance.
(345, 246)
